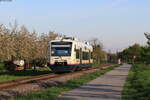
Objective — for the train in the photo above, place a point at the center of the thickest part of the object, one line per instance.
(69, 54)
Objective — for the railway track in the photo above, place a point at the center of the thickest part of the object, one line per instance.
(9, 84)
(14, 83)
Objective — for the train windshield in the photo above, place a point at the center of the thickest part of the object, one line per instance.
(61, 48)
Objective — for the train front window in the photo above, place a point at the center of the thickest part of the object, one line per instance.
(61, 49)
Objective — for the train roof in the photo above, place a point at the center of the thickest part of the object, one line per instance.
(71, 39)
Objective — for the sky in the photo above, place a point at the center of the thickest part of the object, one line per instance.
(116, 23)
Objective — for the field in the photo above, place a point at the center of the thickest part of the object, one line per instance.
(54, 92)
(137, 86)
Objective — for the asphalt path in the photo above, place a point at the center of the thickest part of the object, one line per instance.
(107, 87)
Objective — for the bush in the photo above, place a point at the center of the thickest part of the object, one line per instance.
(2, 67)
(41, 62)
(137, 86)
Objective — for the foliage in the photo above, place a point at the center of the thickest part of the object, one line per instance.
(131, 53)
(98, 53)
(147, 35)
(2, 66)
(137, 53)
(12, 75)
(19, 43)
(145, 54)
(112, 57)
(40, 62)
(54, 92)
(137, 86)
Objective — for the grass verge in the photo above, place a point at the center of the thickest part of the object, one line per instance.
(12, 75)
(54, 92)
(101, 63)
(137, 86)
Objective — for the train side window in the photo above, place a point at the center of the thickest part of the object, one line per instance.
(77, 54)
(85, 56)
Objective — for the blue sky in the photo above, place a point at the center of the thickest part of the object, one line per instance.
(117, 23)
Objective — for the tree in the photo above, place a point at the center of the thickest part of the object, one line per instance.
(18, 43)
(132, 53)
(43, 42)
(98, 53)
(145, 53)
(137, 53)
(112, 57)
(6, 44)
(147, 35)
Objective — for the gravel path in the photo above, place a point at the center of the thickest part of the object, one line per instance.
(106, 87)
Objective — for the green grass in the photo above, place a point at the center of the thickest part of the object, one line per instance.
(12, 75)
(4, 78)
(54, 92)
(137, 86)
(98, 64)
(1, 64)
(2, 67)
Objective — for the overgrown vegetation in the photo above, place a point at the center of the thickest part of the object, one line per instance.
(54, 92)
(12, 75)
(99, 55)
(137, 53)
(2, 69)
(137, 86)
(18, 43)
